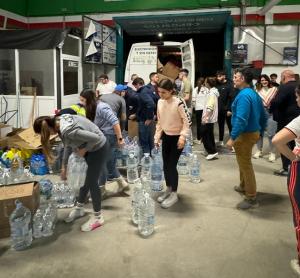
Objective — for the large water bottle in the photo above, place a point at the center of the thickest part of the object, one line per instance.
(146, 216)
(132, 168)
(136, 199)
(183, 165)
(76, 172)
(195, 169)
(49, 220)
(187, 148)
(156, 174)
(38, 223)
(17, 169)
(146, 166)
(21, 232)
(146, 185)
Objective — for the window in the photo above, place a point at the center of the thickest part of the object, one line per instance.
(7, 72)
(36, 72)
(71, 46)
(70, 77)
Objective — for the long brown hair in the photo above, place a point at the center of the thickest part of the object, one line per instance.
(167, 84)
(259, 85)
(42, 126)
(200, 83)
(91, 103)
(211, 81)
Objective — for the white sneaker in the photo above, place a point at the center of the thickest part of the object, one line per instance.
(295, 266)
(198, 142)
(164, 196)
(170, 201)
(272, 157)
(212, 156)
(123, 185)
(93, 223)
(75, 213)
(257, 155)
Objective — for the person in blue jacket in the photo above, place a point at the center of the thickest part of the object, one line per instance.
(248, 124)
(145, 115)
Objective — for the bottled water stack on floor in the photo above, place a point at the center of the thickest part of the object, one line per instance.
(137, 196)
(63, 195)
(21, 232)
(132, 168)
(146, 216)
(184, 159)
(157, 171)
(146, 163)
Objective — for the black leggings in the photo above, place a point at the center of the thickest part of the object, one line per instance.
(222, 117)
(96, 162)
(199, 123)
(208, 138)
(171, 156)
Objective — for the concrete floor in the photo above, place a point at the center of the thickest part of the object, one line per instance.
(203, 235)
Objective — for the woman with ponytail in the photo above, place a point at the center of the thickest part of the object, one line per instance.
(85, 138)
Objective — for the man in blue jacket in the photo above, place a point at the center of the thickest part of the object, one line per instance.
(145, 114)
(248, 123)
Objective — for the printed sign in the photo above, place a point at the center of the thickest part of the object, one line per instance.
(240, 54)
(290, 55)
(144, 55)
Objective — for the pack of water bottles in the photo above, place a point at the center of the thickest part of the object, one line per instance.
(76, 172)
(131, 146)
(63, 195)
(44, 220)
(143, 207)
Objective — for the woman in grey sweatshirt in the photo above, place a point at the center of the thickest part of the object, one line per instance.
(85, 138)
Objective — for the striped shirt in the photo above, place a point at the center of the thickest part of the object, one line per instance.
(267, 95)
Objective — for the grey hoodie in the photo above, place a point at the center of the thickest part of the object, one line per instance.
(78, 132)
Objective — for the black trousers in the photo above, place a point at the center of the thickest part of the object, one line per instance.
(222, 118)
(285, 161)
(170, 155)
(199, 123)
(96, 162)
(208, 138)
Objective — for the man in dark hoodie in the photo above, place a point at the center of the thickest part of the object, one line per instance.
(225, 88)
(284, 108)
(145, 115)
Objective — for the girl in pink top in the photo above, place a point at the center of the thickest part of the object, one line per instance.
(172, 128)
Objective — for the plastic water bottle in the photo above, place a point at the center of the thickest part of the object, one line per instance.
(132, 168)
(182, 165)
(38, 224)
(17, 169)
(187, 148)
(146, 216)
(136, 199)
(156, 175)
(146, 185)
(195, 169)
(76, 172)
(49, 219)
(21, 232)
(146, 165)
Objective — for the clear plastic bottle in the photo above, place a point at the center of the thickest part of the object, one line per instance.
(132, 168)
(146, 165)
(21, 232)
(146, 185)
(17, 169)
(195, 169)
(156, 174)
(49, 220)
(182, 165)
(137, 195)
(187, 148)
(38, 223)
(146, 216)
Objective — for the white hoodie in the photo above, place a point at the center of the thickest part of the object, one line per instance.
(199, 98)
(210, 111)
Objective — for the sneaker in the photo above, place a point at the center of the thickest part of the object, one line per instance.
(212, 156)
(239, 189)
(272, 157)
(247, 204)
(164, 196)
(123, 185)
(257, 155)
(295, 266)
(75, 213)
(281, 172)
(170, 201)
(93, 223)
(198, 142)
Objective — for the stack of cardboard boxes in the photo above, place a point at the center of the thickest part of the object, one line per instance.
(167, 71)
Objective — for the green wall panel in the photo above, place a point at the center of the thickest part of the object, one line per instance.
(15, 6)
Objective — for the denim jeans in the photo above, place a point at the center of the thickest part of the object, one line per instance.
(146, 137)
(111, 171)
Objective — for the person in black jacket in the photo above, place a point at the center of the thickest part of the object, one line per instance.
(225, 88)
(145, 115)
(284, 108)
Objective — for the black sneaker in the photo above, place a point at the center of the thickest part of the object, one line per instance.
(281, 172)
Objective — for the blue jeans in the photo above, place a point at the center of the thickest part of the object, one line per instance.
(146, 137)
(111, 171)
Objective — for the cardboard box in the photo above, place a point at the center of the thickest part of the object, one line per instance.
(170, 70)
(162, 77)
(133, 129)
(5, 129)
(27, 193)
